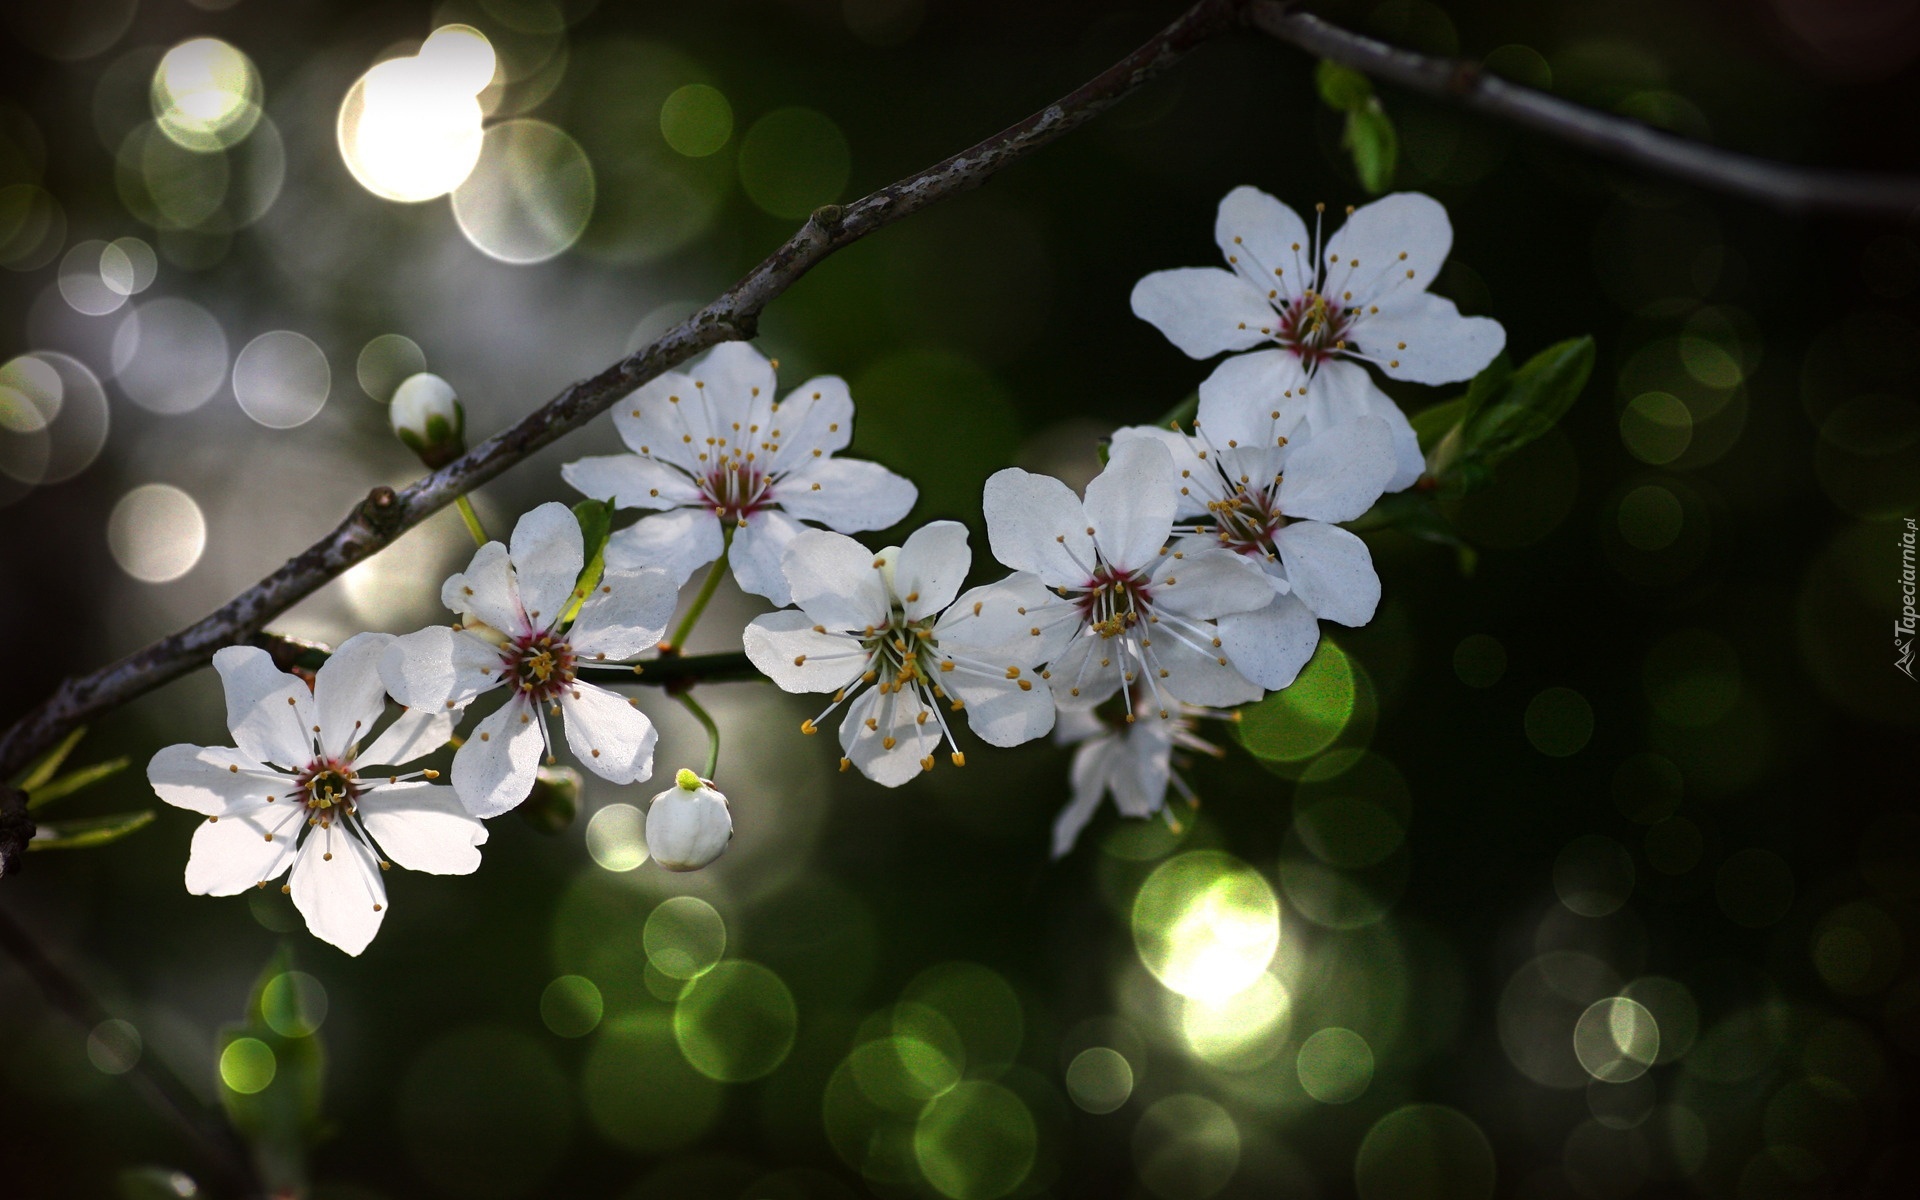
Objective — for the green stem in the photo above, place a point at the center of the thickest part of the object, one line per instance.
(713, 733)
(472, 519)
(712, 582)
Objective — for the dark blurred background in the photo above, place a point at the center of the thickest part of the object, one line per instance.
(1594, 872)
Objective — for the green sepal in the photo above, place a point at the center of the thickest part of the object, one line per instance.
(86, 832)
(42, 769)
(1374, 145)
(73, 781)
(1341, 88)
(596, 525)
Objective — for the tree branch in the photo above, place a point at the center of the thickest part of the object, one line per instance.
(1790, 188)
(386, 514)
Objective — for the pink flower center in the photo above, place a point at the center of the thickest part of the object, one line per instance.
(1313, 327)
(1247, 520)
(1113, 600)
(540, 665)
(328, 788)
(735, 490)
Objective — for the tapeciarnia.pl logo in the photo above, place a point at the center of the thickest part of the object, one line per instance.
(1903, 625)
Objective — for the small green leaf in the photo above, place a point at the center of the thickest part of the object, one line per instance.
(36, 775)
(1182, 413)
(1342, 88)
(1434, 422)
(1532, 401)
(73, 781)
(596, 525)
(87, 832)
(156, 1183)
(1375, 147)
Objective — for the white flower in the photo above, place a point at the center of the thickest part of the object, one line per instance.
(517, 632)
(427, 417)
(305, 788)
(1365, 301)
(1124, 608)
(870, 628)
(1273, 499)
(1130, 758)
(688, 825)
(712, 449)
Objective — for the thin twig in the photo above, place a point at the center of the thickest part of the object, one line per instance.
(216, 1140)
(1793, 189)
(386, 514)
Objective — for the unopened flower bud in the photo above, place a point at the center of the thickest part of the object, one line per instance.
(554, 801)
(428, 418)
(688, 825)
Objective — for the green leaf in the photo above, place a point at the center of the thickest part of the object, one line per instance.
(271, 1085)
(36, 775)
(596, 525)
(1182, 413)
(1375, 147)
(1435, 422)
(1342, 88)
(156, 1183)
(1531, 401)
(87, 832)
(73, 781)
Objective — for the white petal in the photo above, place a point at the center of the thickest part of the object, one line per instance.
(422, 827)
(1423, 338)
(1331, 571)
(1087, 672)
(931, 566)
(1000, 711)
(815, 420)
(679, 542)
(1091, 766)
(630, 481)
(654, 425)
(1377, 235)
(758, 550)
(1130, 504)
(213, 780)
(494, 770)
(1035, 523)
(343, 897)
(1208, 584)
(1270, 242)
(894, 715)
(548, 552)
(609, 736)
(263, 723)
(414, 733)
(626, 614)
(1343, 391)
(834, 580)
(1237, 401)
(1198, 671)
(1337, 474)
(348, 696)
(784, 647)
(1270, 645)
(487, 590)
(731, 379)
(996, 623)
(846, 494)
(439, 668)
(1198, 482)
(240, 850)
(1204, 310)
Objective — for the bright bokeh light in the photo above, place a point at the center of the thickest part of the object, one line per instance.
(1241, 1030)
(410, 128)
(1206, 925)
(247, 1065)
(1100, 1079)
(684, 937)
(156, 533)
(206, 95)
(281, 379)
(529, 197)
(617, 837)
(1616, 1040)
(294, 1004)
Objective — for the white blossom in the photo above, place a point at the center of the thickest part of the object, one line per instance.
(303, 786)
(884, 633)
(1312, 318)
(517, 631)
(712, 450)
(427, 417)
(689, 824)
(1129, 757)
(1273, 498)
(1107, 602)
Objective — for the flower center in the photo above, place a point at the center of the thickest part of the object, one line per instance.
(736, 489)
(1113, 600)
(901, 653)
(1247, 520)
(330, 789)
(1313, 327)
(539, 664)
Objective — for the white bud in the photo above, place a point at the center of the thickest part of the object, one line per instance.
(427, 417)
(688, 825)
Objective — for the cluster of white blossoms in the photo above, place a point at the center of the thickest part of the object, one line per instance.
(1190, 578)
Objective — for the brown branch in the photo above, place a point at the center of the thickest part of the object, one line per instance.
(1793, 189)
(386, 514)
